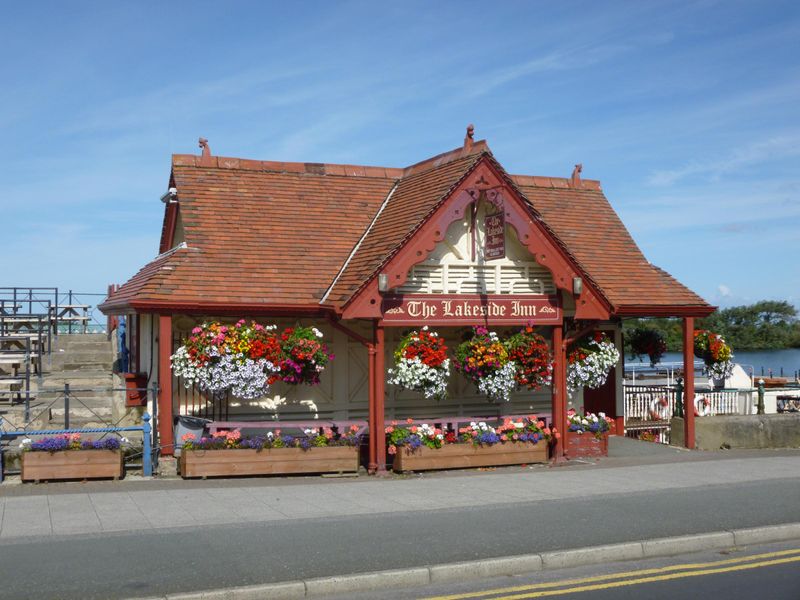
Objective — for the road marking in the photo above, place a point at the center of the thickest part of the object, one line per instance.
(659, 574)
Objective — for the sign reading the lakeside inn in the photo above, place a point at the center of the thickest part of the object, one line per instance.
(495, 228)
(470, 309)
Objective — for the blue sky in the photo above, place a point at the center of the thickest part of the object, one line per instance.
(687, 112)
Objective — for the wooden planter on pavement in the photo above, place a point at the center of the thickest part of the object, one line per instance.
(273, 461)
(460, 456)
(71, 464)
(585, 445)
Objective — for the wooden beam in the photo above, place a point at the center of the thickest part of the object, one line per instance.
(688, 382)
(380, 398)
(559, 390)
(165, 433)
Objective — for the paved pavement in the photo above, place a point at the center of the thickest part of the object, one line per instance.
(161, 537)
(83, 508)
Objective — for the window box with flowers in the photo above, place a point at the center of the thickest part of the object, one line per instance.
(227, 453)
(68, 457)
(587, 435)
(424, 447)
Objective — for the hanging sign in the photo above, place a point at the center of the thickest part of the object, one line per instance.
(494, 227)
(470, 309)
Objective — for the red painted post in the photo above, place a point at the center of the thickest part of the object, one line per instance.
(688, 381)
(380, 398)
(558, 391)
(373, 463)
(165, 434)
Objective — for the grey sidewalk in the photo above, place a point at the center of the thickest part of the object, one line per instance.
(35, 511)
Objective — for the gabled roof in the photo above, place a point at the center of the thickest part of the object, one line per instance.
(269, 235)
(598, 240)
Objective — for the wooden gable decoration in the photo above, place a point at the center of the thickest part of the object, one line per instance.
(485, 182)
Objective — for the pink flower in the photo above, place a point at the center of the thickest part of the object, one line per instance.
(197, 330)
(392, 449)
(409, 420)
(473, 433)
(540, 424)
(515, 437)
(389, 429)
(353, 428)
(504, 437)
(413, 429)
(187, 437)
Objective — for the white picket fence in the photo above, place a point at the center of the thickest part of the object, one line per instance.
(649, 408)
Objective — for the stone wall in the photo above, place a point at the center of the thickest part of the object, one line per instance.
(741, 431)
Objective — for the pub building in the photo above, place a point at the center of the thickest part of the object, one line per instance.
(366, 254)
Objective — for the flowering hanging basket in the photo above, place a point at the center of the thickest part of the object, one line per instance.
(244, 359)
(716, 354)
(483, 359)
(247, 358)
(590, 362)
(422, 364)
(305, 356)
(534, 362)
(647, 342)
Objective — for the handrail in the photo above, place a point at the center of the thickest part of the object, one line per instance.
(145, 428)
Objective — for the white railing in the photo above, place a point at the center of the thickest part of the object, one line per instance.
(649, 408)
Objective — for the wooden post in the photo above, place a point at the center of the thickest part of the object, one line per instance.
(688, 381)
(559, 390)
(165, 433)
(380, 398)
(373, 462)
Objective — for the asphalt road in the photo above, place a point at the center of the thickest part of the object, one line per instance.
(768, 572)
(157, 562)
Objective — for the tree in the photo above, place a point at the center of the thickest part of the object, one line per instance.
(768, 324)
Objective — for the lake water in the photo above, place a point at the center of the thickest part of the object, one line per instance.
(787, 359)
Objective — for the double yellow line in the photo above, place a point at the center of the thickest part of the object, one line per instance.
(602, 582)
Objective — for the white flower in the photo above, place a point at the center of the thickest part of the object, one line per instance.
(317, 332)
(425, 328)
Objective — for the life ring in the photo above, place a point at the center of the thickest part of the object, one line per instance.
(659, 409)
(702, 407)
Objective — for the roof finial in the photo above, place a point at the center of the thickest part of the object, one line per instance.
(203, 143)
(468, 139)
(576, 176)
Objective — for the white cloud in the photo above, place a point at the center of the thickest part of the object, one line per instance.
(778, 147)
(724, 290)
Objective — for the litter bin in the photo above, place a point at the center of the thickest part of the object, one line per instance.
(184, 425)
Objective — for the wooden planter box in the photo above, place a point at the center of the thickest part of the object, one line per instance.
(460, 456)
(71, 464)
(274, 461)
(585, 445)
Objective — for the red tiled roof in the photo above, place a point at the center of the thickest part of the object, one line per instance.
(264, 237)
(598, 240)
(270, 234)
(415, 196)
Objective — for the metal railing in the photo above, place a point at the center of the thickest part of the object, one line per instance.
(649, 408)
(72, 398)
(145, 428)
(65, 311)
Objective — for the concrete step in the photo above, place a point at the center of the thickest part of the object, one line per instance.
(81, 354)
(82, 346)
